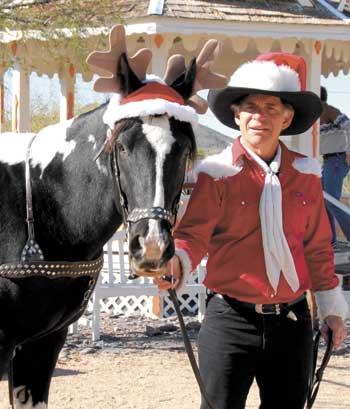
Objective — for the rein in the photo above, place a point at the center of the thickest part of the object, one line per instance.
(316, 376)
(189, 349)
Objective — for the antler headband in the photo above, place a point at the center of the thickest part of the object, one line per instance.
(105, 64)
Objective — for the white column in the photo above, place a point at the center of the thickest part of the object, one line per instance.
(67, 83)
(160, 49)
(20, 99)
(2, 107)
(309, 140)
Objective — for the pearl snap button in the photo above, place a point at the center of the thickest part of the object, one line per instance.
(242, 202)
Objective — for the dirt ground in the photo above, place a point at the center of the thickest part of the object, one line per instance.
(138, 367)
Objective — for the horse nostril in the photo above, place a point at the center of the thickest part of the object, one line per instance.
(135, 245)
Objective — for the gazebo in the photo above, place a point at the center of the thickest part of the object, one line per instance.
(319, 30)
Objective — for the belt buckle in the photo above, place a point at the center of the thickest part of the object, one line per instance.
(268, 309)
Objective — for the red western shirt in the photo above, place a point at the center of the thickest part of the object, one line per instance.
(222, 220)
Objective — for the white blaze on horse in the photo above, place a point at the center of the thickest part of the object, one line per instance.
(122, 162)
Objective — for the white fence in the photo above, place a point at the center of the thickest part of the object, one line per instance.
(115, 293)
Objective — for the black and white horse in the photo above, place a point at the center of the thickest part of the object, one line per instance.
(86, 175)
(77, 209)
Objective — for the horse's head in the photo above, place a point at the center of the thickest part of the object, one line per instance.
(151, 140)
(151, 157)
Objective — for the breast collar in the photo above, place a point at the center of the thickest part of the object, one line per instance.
(32, 261)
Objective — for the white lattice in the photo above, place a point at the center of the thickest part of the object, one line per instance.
(125, 305)
(116, 294)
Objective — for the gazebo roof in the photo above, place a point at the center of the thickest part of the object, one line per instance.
(245, 26)
(272, 11)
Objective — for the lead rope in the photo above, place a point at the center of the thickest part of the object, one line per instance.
(316, 376)
(189, 349)
(10, 383)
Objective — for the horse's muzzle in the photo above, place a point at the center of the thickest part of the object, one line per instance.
(150, 248)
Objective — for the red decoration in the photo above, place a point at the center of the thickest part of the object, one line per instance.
(318, 46)
(158, 40)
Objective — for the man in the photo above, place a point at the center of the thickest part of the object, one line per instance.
(257, 210)
(335, 147)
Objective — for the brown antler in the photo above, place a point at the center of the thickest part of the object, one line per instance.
(205, 78)
(105, 63)
(175, 67)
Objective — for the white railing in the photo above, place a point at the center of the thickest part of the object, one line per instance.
(336, 203)
(115, 293)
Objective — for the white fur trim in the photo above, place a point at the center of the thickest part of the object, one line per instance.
(153, 78)
(307, 165)
(217, 166)
(157, 106)
(266, 75)
(331, 302)
(186, 266)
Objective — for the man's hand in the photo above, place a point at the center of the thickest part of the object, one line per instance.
(172, 276)
(336, 324)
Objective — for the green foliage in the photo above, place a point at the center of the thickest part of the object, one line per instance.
(40, 117)
(49, 16)
(64, 22)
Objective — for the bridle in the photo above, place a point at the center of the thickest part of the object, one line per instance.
(137, 214)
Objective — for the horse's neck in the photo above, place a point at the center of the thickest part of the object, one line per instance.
(73, 193)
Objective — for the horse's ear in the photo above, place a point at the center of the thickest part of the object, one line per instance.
(185, 82)
(128, 81)
(197, 77)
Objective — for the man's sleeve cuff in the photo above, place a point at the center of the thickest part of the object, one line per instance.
(186, 267)
(331, 302)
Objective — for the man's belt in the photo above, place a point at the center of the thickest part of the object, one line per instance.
(265, 309)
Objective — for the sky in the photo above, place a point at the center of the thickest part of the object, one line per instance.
(44, 92)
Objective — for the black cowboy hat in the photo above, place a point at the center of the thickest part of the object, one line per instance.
(307, 105)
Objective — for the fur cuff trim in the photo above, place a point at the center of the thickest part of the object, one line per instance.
(266, 75)
(115, 111)
(186, 266)
(307, 165)
(218, 166)
(331, 302)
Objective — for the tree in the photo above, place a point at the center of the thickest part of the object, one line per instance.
(64, 22)
(52, 16)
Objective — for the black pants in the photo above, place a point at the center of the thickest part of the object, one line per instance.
(236, 345)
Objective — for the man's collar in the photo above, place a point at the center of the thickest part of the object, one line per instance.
(238, 152)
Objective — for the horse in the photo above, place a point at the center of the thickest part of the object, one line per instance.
(67, 189)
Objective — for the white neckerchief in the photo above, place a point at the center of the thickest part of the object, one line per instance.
(278, 257)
